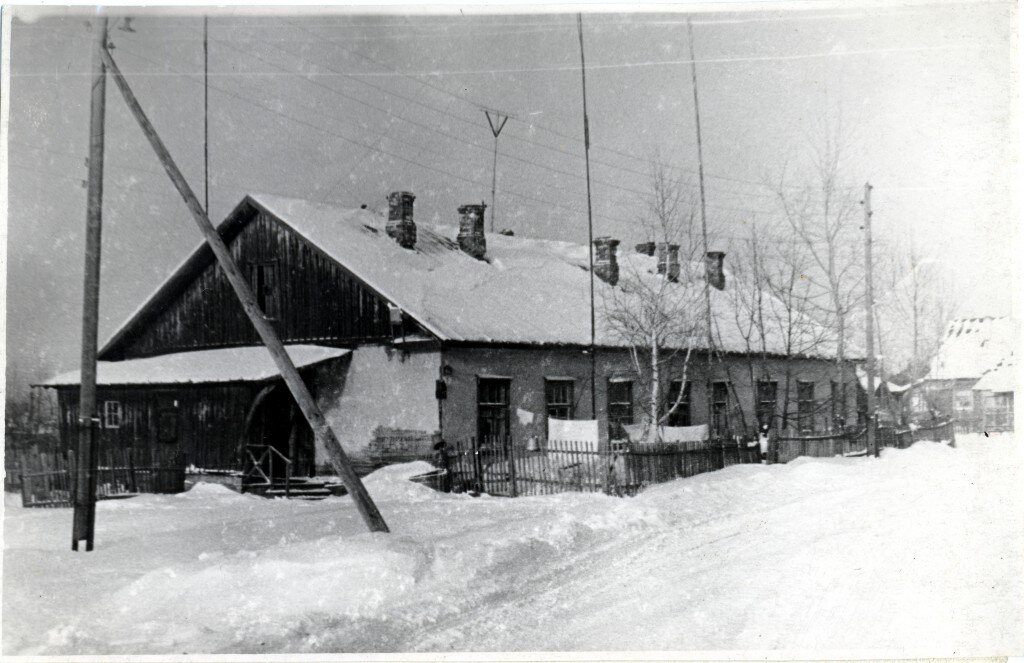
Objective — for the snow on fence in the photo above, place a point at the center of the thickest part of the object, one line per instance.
(497, 467)
(854, 443)
(48, 479)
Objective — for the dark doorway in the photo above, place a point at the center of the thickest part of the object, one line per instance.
(279, 424)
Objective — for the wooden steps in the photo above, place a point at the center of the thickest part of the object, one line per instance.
(297, 488)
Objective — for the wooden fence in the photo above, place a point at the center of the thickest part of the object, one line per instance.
(48, 479)
(854, 443)
(497, 467)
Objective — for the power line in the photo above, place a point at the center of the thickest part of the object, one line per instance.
(441, 89)
(311, 125)
(478, 146)
(555, 132)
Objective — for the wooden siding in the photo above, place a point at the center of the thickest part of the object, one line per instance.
(316, 300)
(208, 422)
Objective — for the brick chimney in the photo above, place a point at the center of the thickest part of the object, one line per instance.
(715, 272)
(668, 261)
(400, 225)
(646, 248)
(471, 230)
(606, 261)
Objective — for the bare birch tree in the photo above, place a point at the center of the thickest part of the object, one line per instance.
(660, 316)
(825, 216)
(775, 309)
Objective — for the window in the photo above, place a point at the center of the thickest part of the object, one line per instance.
(681, 415)
(720, 408)
(805, 406)
(492, 409)
(963, 401)
(111, 414)
(620, 408)
(998, 411)
(263, 276)
(767, 390)
(838, 410)
(558, 394)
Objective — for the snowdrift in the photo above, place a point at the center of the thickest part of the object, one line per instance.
(910, 553)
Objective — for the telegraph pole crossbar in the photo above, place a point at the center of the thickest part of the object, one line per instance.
(321, 430)
(497, 123)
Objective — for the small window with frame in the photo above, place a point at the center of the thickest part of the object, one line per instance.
(558, 396)
(264, 280)
(680, 415)
(620, 408)
(112, 414)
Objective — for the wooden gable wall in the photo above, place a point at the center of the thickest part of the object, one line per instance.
(309, 296)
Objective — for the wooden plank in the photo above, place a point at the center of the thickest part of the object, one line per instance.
(339, 459)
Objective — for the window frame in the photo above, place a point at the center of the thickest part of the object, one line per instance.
(720, 408)
(266, 291)
(486, 410)
(625, 409)
(568, 405)
(683, 415)
(760, 401)
(117, 411)
(805, 407)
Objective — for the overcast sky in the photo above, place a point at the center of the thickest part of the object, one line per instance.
(345, 108)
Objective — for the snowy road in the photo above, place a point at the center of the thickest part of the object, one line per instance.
(919, 552)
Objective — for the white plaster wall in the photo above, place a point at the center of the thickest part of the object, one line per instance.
(378, 388)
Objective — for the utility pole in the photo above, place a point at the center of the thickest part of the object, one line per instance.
(703, 220)
(310, 410)
(497, 123)
(869, 314)
(206, 115)
(84, 520)
(590, 226)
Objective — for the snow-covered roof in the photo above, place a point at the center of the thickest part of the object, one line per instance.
(527, 290)
(893, 388)
(972, 346)
(1001, 378)
(241, 364)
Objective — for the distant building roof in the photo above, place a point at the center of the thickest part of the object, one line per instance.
(1001, 378)
(529, 291)
(242, 364)
(972, 346)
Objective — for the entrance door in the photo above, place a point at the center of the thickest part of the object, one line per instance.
(279, 424)
(492, 411)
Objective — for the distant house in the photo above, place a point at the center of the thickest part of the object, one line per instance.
(993, 396)
(971, 376)
(404, 333)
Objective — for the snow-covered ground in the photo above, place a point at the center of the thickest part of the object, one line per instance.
(919, 552)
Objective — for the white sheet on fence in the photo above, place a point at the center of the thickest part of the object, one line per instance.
(583, 431)
(638, 433)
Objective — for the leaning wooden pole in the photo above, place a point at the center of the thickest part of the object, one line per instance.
(84, 519)
(339, 460)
